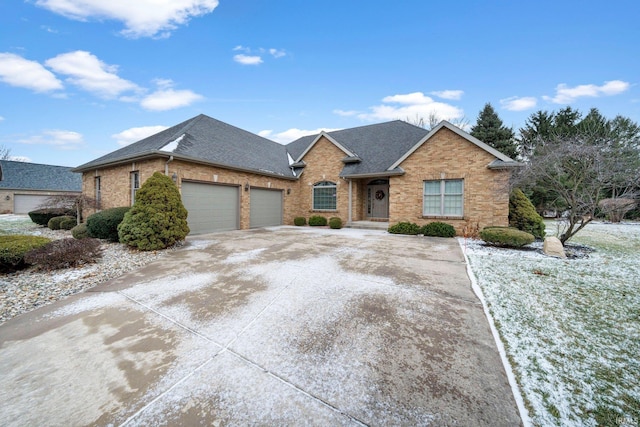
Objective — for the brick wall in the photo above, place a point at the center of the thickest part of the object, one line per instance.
(448, 156)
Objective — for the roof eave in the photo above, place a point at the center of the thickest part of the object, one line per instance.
(396, 172)
(166, 154)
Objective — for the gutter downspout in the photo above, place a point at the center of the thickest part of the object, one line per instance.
(350, 202)
(166, 166)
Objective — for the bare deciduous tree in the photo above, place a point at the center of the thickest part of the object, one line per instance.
(5, 153)
(77, 202)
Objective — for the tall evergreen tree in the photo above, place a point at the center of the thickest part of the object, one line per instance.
(490, 130)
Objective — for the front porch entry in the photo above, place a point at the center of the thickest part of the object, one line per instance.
(378, 200)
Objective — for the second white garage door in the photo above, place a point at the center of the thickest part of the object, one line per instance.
(211, 207)
(25, 203)
(266, 208)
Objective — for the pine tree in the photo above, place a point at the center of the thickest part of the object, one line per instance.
(490, 130)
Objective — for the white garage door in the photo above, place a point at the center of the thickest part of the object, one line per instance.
(211, 207)
(25, 203)
(266, 208)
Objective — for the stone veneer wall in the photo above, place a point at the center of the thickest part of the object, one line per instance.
(448, 156)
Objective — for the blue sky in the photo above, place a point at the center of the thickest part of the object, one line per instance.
(81, 78)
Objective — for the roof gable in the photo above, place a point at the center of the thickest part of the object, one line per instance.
(34, 176)
(502, 160)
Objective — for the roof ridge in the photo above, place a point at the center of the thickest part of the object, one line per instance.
(34, 163)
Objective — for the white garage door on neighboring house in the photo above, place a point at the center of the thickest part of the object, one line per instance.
(25, 203)
(212, 207)
(266, 208)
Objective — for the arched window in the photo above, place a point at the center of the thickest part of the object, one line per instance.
(324, 196)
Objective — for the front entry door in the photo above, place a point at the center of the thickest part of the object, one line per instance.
(378, 199)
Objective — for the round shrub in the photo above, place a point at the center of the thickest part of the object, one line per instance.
(523, 215)
(317, 220)
(438, 229)
(335, 223)
(42, 216)
(68, 223)
(404, 228)
(14, 247)
(104, 224)
(80, 231)
(55, 223)
(64, 253)
(299, 221)
(157, 219)
(506, 236)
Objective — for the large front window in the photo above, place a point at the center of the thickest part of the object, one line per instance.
(324, 196)
(443, 198)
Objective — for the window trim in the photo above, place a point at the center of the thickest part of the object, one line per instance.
(324, 185)
(132, 181)
(442, 195)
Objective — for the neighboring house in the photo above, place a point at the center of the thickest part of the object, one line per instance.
(232, 179)
(26, 186)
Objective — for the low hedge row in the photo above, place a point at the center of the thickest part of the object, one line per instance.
(43, 216)
(433, 229)
(506, 236)
(14, 247)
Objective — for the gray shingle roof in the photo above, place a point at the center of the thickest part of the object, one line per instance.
(206, 139)
(33, 176)
(378, 145)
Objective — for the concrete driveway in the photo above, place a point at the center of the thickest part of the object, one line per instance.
(282, 326)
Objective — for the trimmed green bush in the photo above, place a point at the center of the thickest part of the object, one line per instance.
(506, 236)
(317, 220)
(104, 224)
(42, 216)
(438, 229)
(299, 221)
(80, 231)
(68, 223)
(55, 223)
(157, 219)
(335, 223)
(64, 253)
(404, 228)
(523, 215)
(13, 248)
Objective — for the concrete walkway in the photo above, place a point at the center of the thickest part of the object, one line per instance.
(282, 326)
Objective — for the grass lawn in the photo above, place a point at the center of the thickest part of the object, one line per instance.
(571, 328)
(14, 224)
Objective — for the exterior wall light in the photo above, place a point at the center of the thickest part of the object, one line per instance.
(174, 177)
(246, 187)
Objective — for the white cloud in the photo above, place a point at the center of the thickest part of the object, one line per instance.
(291, 134)
(344, 113)
(277, 53)
(141, 18)
(91, 74)
(23, 159)
(62, 139)
(518, 103)
(247, 59)
(166, 98)
(567, 95)
(20, 72)
(1, 118)
(411, 106)
(132, 135)
(448, 94)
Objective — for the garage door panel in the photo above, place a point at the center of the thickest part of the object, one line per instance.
(211, 207)
(266, 208)
(25, 203)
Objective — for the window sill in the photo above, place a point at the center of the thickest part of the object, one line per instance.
(443, 217)
(323, 210)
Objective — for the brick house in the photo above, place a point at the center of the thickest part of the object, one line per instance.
(389, 172)
(26, 186)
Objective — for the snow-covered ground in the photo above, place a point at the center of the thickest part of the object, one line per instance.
(571, 328)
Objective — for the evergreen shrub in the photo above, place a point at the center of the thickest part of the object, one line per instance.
(335, 222)
(64, 253)
(104, 224)
(68, 223)
(80, 231)
(506, 236)
(317, 220)
(157, 219)
(13, 248)
(523, 215)
(438, 229)
(300, 221)
(55, 223)
(404, 228)
(42, 216)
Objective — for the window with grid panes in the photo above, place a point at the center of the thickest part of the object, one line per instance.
(443, 197)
